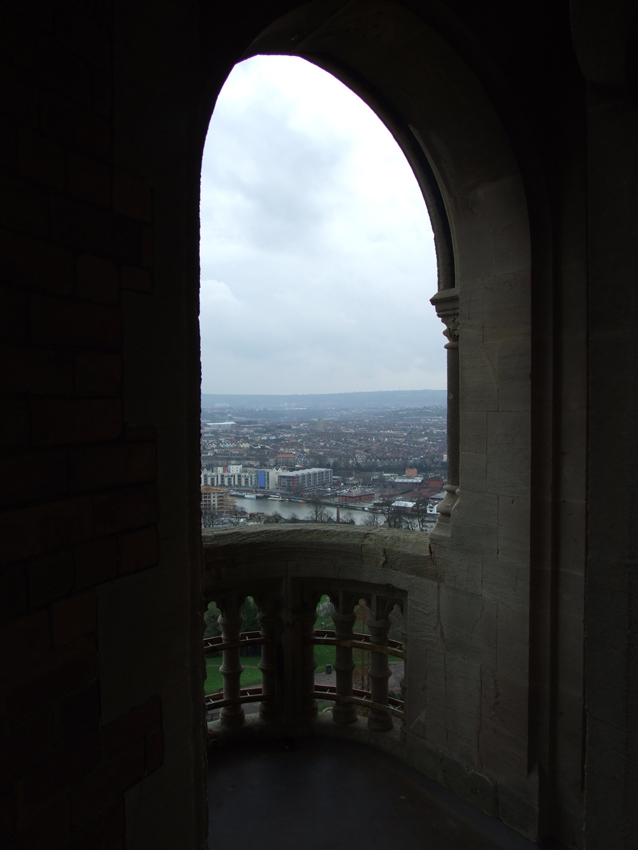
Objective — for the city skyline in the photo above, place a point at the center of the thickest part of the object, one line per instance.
(317, 257)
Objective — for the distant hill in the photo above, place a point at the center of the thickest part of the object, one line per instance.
(382, 400)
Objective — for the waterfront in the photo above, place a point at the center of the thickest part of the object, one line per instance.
(303, 511)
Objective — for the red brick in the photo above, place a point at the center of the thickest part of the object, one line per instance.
(79, 129)
(76, 421)
(138, 280)
(26, 747)
(79, 714)
(36, 263)
(80, 225)
(132, 195)
(74, 618)
(56, 320)
(98, 373)
(13, 313)
(33, 531)
(154, 751)
(121, 734)
(40, 158)
(106, 786)
(58, 676)
(97, 280)
(89, 180)
(32, 476)
(23, 643)
(50, 578)
(138, 550)
(96, 562)
(50, 830)
(23, 207)
(35, 370)
(57, 775)
(120, 510)
(98, 467)
(14, 593)
(14, 424)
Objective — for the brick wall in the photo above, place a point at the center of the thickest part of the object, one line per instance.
(78, 491)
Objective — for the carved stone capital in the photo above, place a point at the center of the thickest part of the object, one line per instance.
(446, 304)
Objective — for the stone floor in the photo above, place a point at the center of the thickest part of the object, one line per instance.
(313, 794)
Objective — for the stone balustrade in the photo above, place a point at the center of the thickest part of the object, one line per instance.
(287, 570)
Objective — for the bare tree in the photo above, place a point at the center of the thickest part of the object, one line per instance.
(318, 511)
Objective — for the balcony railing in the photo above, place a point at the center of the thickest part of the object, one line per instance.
(286, 570)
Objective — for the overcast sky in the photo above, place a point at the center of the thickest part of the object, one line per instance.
(317, 257)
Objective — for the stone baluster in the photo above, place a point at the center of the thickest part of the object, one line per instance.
(404, 678)
(270, 708)
(230, 619)
(307, 663)
(343, 619)
(379, 718)
(446, 303)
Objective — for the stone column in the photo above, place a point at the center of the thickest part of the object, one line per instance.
(343, 619)
(404, 678)
(271, 707)
(232, 715)
(379, 719)
(446, 304)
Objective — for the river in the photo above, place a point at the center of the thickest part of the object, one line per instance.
(287, 509)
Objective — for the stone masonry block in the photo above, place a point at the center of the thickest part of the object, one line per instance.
(96, 562)
(506, 580)
(33, 476)
(514, 373)
(14, 593)
(97, 280)
(512, 653)
(468, 624)
(138, 550)
(462, 701)
(14, 423)
(81, 226)
(478, 373)
(40, 371)
(23, 643)
(61, 322)
(76, 421)
(99, 467)
(505, 308)
(35, 263)
(131, 195)
(514, 529)
(473, 431)
(74, 618)
(13, 313)
(89, 180)
(98, 373)
(508, 464)
(79, 129)
(138, 280)
(120, 510)
(40, 159)
(50, 578)
(53, 678)
(23, 208)
(37, 530)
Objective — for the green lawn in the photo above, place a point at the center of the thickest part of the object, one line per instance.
(214, 679)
